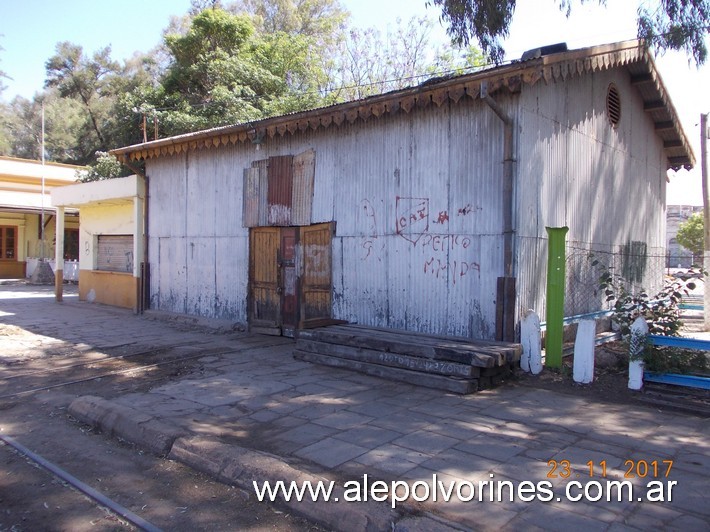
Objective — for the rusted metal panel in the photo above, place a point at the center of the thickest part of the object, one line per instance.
(304, 166)
(193, 273)
(251, 197)
(280, 190)
(263, 166)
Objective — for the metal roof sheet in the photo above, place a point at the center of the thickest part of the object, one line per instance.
(557, 67)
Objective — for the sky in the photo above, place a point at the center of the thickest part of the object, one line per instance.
(30, 30)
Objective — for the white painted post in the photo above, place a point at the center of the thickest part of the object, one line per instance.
(59, 255)
(637, 343)
(583, 370)
(530, 337)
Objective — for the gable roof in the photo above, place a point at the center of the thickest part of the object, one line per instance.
(633, 55)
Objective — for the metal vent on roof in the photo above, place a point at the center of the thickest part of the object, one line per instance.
(613, 105)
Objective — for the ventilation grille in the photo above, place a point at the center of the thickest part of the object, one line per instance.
(613, 105)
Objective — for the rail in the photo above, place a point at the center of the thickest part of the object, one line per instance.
(676, 379)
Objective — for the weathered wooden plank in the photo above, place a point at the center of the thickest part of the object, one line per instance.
(403, 346)
(451, 342)
(512, 351)
(269, 331)
(412, 377)
(421, 345)
(395, 360)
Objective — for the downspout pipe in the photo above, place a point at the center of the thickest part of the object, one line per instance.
(506, 291)
(508, 160)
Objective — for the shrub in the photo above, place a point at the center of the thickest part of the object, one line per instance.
(662, 314)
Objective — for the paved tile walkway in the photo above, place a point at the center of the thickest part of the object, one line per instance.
(253, 393)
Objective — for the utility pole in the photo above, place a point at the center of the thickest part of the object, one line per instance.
(41, 243)
(706, 213)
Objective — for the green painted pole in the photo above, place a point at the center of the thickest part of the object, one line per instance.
(555, 295)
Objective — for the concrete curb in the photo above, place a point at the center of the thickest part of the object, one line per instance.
(127, 423)
(243, 467)
(236, 465)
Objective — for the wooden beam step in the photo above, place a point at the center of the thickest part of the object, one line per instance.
(439, 382)
(405, 347)
(395, 360)
(512, 351)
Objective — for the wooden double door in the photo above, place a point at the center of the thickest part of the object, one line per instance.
(290, 278)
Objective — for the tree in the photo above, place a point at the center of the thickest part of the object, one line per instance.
(691, 234)
(5, 119)
(86, 93)
(321, 24)
(105, 167)
(222, 71)
(85, 79)
(369, 63)
(222, 63)
(674, 25)
(215, 71)
(3, 74)
(323, 20)
(68, 137)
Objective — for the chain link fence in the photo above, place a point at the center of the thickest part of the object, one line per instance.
(634, 264)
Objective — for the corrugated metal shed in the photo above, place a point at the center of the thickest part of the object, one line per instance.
(414, 183)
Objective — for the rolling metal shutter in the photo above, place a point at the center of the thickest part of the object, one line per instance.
(115, 253)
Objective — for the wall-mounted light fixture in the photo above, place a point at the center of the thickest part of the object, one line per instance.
(257, 137)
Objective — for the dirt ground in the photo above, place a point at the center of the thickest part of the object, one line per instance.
(161, 491)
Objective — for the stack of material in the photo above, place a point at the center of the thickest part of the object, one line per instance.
(449, 363)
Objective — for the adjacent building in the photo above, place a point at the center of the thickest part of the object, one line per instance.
(110, 239)
(27, 218)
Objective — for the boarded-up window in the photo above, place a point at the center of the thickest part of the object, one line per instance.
(115, 253)
(279, 191)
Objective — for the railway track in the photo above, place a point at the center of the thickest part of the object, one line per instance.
(161, 361)
(70, 490)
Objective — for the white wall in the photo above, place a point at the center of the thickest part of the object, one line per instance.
(102, 220)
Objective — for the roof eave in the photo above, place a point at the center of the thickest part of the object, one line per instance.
(631, 54)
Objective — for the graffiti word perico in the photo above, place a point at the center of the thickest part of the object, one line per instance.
(446, 242)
